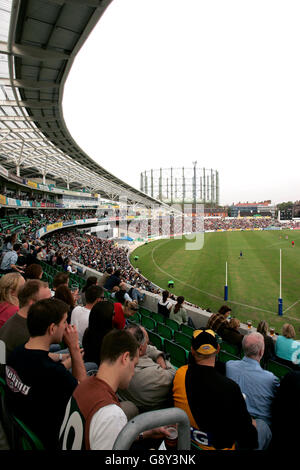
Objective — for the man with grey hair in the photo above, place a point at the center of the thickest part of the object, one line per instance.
(151, 386)
(259, 385)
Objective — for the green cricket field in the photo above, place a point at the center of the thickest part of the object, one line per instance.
(253, 279)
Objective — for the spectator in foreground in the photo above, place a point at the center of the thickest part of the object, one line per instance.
(91, 281)
(38, 387)
(59, 279)
(151, 385)
(259, 385)
(15, 332)
(65, 294)
(269, 352)
(80, 315)
(217, 411)
(96, 398)
(10, 284)
(33, 271)
(99, 324)
(286, 348)
(286, 400)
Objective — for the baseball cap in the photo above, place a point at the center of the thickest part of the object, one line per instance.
(204, 341)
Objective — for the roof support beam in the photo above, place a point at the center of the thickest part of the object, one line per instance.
(32, 51)
(89, 3)
(31, 84)
(30, 104)
(18, 130)
(28, 118)
(26, 141)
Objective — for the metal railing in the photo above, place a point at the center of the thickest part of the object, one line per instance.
(153, 419)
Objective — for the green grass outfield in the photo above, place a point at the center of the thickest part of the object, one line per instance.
(253, 280)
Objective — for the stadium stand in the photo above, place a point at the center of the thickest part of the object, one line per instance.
(33, 127)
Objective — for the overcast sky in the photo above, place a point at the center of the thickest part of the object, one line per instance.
(163, 83)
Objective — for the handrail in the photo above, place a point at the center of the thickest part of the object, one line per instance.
(153, 419)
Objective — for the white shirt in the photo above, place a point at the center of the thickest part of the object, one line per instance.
(105, 426)
(80, 318)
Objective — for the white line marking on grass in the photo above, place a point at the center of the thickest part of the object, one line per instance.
(199, 290)
(216, 296)
(291, 306)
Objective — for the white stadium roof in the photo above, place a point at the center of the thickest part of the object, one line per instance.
(38, 43)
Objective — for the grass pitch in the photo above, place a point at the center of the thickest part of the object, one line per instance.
(253, 279)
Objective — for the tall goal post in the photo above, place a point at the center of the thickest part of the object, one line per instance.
(280, 285)
(226, 284)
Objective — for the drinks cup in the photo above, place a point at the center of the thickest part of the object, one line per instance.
(172, 439)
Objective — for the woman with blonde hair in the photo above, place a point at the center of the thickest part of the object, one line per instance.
(123, 311)
(286, 347)
(10, 284)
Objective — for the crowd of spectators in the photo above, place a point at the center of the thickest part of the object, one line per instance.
(98, 254)
(42, 218)
(129, 375)
(165, 226)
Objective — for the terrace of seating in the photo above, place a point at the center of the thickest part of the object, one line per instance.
(175, 340)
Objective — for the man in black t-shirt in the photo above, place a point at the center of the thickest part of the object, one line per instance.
(39, 388)
(214, 404)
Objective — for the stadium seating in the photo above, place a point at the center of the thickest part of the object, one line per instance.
(178, 355)
(230, 348)
(278, 369)
(188, 330)
(148, 323)
(107, 295)
(224, 356)
(156, 340)
(136, 318)
(165, 331)
(182, 339)
(172, 324)
(158, 317)
(145, 311)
